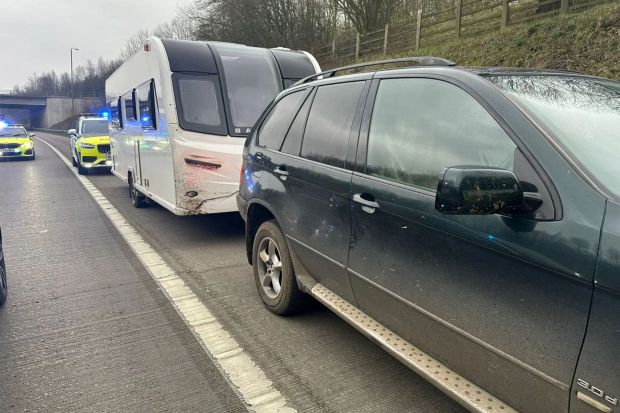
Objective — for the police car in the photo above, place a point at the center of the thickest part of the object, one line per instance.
(15, 142)
(90, 143)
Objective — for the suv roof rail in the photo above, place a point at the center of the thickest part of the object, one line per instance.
(417, 61)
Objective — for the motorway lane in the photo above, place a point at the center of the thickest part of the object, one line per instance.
(85, 327)
(317, 361)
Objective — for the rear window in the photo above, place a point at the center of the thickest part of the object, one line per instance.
(252, 81)
(199, 103)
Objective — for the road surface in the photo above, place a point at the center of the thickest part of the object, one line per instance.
(86, 328)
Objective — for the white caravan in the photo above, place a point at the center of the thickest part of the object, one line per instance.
(180, 111)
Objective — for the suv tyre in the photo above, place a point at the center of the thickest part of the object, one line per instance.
(273, 271)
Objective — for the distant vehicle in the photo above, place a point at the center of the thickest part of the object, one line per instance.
(3, 282)
(90, 143)
(15, 142)
(467, 220)
(180, 112)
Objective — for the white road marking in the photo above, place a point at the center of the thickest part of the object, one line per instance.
(236, 365)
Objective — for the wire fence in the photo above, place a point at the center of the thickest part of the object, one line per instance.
(465, 18)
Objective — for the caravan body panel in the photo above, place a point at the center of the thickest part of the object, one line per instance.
(181, 111)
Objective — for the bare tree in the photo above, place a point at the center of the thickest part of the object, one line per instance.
(134, 43)
(368, 15)
(180, 27)
(297, 24)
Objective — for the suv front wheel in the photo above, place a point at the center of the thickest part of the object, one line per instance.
(273, 271)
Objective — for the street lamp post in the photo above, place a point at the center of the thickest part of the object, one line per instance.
(72, 103)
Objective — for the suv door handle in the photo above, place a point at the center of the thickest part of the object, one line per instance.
(281, 170)
(368, 205)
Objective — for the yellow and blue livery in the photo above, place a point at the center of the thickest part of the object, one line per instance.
(15, 142)
(90, 144)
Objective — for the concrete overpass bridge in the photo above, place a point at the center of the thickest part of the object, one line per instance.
(44, 111)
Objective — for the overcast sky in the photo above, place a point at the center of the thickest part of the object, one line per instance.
(36, 35)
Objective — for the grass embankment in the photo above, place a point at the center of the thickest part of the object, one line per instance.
(587, 42)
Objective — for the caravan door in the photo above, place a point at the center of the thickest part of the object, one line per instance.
(132, 132)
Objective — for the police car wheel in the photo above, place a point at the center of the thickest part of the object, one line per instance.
(81, 169)
(73, 161)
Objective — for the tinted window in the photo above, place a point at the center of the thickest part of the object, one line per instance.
(95, 127)
(146, 105)
(252, 81)
(421, 126)
(199, 103)
(273, 129)
(329, 123)
(582, 113)
(292, 142)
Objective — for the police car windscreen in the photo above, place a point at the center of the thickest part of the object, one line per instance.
(13, 132)
(252, 80)
(95, 127)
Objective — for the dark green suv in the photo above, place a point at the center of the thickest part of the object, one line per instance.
(467, 220)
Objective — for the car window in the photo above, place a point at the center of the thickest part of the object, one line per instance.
(13, 132)
(274, 128)
(329, 123)
(292, 142)
(582, 113)
(95, 127)
(421, 126)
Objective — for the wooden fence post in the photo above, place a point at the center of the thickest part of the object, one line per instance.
(385, 38)
(563, 6)
(505, 14)
(334, 46)
(459, 7)
(418, 29)
(357, 46)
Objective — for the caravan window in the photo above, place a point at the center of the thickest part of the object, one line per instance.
(199, 103)
(146, 104)
(115, 119)
(130, 105)
(252, 81)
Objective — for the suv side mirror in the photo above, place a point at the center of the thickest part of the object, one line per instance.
(473, 190)
(32, 135)
(72, 132)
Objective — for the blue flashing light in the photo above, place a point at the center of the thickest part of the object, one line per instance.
(248, 180)
(105, 115)
(3, 124)
(146, 119)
